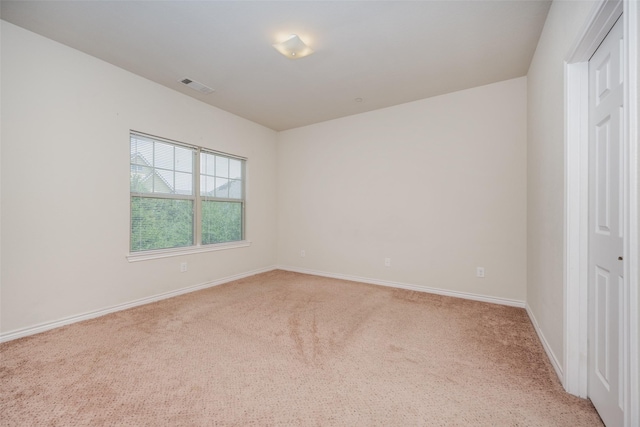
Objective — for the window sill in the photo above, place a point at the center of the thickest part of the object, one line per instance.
(166, 253)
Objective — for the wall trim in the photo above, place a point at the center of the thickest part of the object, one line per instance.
(545, 344)
(596, 27)
(411, 287)
(631, 18)
(189, 250)
(576, 75)
(46, 326)
(576, 229)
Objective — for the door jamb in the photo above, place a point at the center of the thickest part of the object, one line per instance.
(575, 374)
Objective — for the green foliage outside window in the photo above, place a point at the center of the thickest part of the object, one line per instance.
(160, 223)
(221, 222)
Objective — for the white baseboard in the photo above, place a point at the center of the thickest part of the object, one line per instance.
(547, 348)
(42, 327)
(411, 287)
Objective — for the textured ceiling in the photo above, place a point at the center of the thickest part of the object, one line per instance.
(384, 52)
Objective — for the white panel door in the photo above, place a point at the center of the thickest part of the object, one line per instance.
(606, 283)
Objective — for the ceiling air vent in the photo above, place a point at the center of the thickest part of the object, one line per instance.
(197, 86)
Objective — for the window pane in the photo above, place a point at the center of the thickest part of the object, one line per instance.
(163, 182)
(222, 187)
(140, 179)
(235, 169)
(141, 151)
(207, 186)
(184, 160)
(235, 189)
(184, 183)
(160, 223)
(161, 167)
(163, 156)
(221, 222)
(207, 164)
(222, 167)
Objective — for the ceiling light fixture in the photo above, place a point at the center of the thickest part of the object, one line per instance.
(293, 48)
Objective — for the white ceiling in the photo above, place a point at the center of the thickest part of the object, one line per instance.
(385, 52)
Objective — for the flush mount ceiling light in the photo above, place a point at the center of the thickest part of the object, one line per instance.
(293, 48)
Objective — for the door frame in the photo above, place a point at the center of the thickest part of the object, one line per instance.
(596, 27)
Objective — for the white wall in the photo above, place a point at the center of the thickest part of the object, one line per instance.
(546, 169)
(66, 118)
(437, 185)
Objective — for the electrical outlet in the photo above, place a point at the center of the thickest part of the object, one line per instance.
(303, 253)
(387, 262)
(183, 267)
(480, 272)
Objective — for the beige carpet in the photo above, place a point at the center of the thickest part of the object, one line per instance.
(286, 349)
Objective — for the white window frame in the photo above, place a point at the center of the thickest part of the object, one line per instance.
(197, 246)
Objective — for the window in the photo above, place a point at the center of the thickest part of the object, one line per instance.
(183, 195)
(221, 198)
